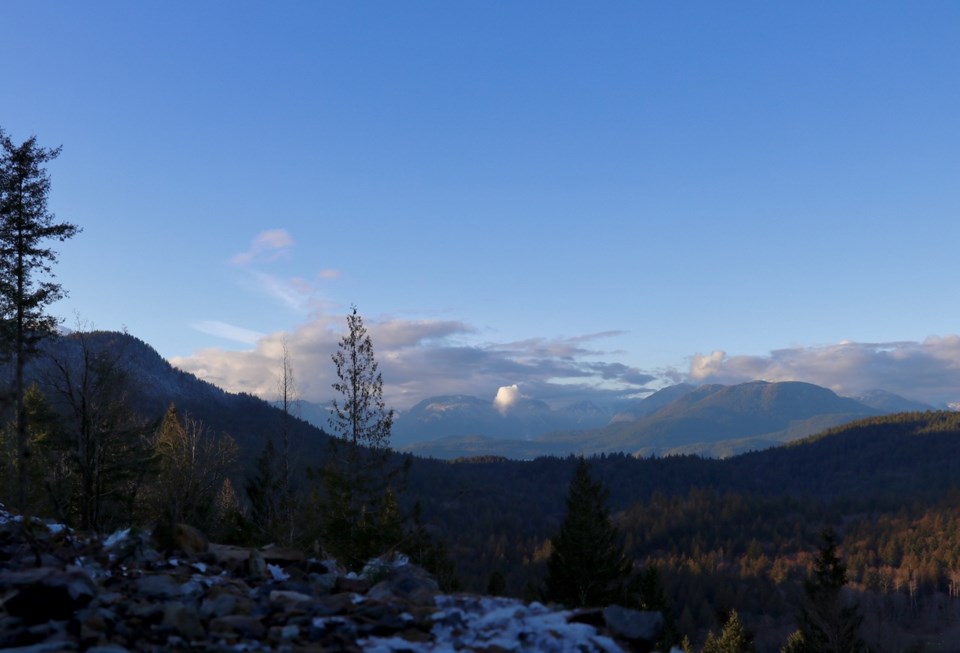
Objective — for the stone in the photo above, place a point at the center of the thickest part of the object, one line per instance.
(44, 647)
(190, 540)
(286, 596)
(245, 625)
(158, 587)
(256, 565)
(282, 554)
(323, 583)
(633, 625)
(227, 553)
(407, 583)
(219, 606)
(355, 585)
(183, 621)
(44, 594)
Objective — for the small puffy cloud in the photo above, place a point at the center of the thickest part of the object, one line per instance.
(507, 395)
(703, 368)
(266, 246)
(927, 371)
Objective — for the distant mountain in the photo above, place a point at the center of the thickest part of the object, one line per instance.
(654, 402)
(888, 402)
(463, 415)
(712, 420)
(155, 383)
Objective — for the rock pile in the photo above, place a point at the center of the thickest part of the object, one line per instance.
(63, 591)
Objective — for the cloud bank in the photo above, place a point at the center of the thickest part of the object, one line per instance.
(420, 359)
(926, 371)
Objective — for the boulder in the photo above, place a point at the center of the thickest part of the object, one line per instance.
(190, 540)
(633, 625)
(46, 593)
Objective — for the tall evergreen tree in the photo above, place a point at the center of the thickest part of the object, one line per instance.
(288, 503)
(356, 482)
(264, 488)
(828, 624)
(26, 272)
(587, 565)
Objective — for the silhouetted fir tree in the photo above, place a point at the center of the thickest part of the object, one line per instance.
(264, 488)
(647, 592)
(429, 553)
(356, 481)
(587, 565)
(26, 288)
(827, 623)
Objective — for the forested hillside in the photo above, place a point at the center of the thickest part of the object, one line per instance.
(741, 533)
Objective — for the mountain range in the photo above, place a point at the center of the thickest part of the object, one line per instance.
(709, 420)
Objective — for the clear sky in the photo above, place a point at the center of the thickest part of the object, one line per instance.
(570, 197)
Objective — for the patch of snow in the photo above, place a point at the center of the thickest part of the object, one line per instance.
(201, 567)
(116, 538)
(277, 573)
(480, 622)
(377, 567)
(56, 528)
(321, 623)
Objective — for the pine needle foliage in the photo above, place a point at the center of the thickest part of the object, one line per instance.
(587, 565)
(733, 638)
(359, 517)
(26, 269)
(828, 623)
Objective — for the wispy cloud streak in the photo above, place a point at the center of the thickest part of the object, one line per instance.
(266, 246)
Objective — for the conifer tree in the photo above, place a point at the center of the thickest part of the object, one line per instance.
(264, 488)
(430, 553)
(587, 565)
(827, 623)
(356, 482)
(733, 638)
(26, 286)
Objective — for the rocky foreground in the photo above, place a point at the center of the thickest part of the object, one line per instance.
(65, 591)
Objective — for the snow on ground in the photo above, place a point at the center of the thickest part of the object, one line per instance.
(478, 622)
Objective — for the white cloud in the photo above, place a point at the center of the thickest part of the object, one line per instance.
(418, 359)
(295, 293)
(507, 395)
(424, 358)
(928, 370)
(266, 246)
(227, 331)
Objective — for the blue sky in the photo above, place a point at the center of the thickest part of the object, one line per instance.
(573, 197)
